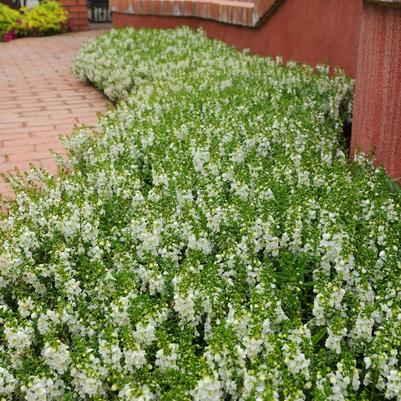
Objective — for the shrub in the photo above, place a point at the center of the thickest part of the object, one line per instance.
(47, 18)
(213, 243)
(8, 19)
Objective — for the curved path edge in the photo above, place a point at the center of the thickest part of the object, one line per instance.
(40, 99)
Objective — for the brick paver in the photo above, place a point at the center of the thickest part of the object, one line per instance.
(41, 99)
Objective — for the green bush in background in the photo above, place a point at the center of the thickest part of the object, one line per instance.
(46, 18)
(8, 19)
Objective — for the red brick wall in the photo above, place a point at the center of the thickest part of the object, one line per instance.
(238, 12)
(309, 31)
(77, 14)
(377, 109)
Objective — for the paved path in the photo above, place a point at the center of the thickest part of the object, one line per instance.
(41, 99)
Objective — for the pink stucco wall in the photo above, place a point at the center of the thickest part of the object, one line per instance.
(377, 109)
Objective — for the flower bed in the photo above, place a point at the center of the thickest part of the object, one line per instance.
(47, 18)
(213, 243)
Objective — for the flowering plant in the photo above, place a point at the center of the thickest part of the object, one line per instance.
(9, 36)
(213, 243)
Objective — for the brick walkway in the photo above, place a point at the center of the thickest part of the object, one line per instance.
(40, 99)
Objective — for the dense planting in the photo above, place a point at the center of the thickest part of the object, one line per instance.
(46, 18)
(213, 242)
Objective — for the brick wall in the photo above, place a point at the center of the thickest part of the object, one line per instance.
(77, 14)
(377, 109)
(309, 31)
(238, 12)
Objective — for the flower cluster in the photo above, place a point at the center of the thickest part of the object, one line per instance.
(209, 240)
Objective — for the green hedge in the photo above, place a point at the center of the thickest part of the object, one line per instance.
(208, 240)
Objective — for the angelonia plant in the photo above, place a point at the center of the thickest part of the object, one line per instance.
(208, 240)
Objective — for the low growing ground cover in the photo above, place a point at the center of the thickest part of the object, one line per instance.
(213, 243)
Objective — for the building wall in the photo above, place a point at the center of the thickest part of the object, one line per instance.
(309, 31)
(77, 14)
(377, 109)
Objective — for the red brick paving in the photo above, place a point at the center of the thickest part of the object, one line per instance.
(41, 99)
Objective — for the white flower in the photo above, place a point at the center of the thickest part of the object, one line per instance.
(185, 306)
(110, 354)
(207, 389)
(363, 328)
(296, 361)
(7, 382)
(19, 338)
(134, 359)
(145, 334)
(86, 383)
(296, 396)
(167, 360)
(43, 389)
(25, 306)
(253, 346)
(333, 341)
(393, 388)
(57, 357)
(130, 393)
(46, 320)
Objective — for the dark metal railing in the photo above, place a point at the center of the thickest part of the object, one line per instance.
(98, 11)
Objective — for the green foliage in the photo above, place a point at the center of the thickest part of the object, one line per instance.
(47, 18)
(8, 19)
